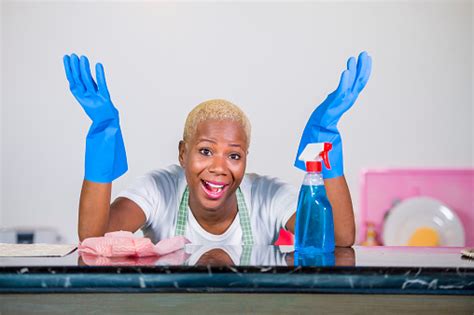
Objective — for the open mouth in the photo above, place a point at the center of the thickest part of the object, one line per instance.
(213, 190)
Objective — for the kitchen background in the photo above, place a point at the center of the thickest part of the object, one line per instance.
(277, 61)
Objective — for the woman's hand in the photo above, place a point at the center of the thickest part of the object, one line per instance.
(322, 125)
(106, 159)
(93, 97)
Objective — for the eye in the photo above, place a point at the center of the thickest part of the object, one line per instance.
(205, 151)
(235, 156)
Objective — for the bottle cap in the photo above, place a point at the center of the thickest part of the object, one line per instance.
(314, 166)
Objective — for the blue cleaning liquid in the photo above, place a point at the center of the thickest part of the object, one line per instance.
(314, 259)
(314, 230)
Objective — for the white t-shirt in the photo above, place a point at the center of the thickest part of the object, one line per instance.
(259, 256)
(270, 202)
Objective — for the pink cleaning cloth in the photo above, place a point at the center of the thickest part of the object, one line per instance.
(94, 260)
(175, 258)
(125, 244)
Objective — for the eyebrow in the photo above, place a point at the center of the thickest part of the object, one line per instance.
(205, 140)
(212, 141)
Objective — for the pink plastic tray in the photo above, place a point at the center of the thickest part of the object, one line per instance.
(381, 189)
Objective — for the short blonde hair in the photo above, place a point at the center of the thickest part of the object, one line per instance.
(217, 109)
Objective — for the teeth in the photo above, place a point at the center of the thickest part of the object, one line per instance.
(215, 186)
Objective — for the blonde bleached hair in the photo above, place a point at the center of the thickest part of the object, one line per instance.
(217, 109)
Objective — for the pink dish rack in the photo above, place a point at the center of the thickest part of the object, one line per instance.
(381, 189)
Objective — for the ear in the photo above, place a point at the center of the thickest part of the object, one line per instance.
(181, 152)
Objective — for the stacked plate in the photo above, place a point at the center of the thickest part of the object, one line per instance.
(422, 221)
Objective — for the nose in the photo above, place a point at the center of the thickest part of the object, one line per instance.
(218, 165)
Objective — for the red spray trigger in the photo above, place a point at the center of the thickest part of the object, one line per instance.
(325, 154)
(317, 152)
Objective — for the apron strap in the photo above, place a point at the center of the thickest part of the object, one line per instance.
(247, 237)
(246, 255)
(182, 214)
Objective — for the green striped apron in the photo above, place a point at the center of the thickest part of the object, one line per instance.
(247, 237)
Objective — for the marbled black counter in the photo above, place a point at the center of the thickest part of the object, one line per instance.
(264, 269)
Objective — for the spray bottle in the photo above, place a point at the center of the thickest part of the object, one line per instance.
(314, 228)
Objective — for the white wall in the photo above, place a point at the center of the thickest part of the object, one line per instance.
(277, 61)
(1, 111)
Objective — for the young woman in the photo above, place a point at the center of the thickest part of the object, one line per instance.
(208, 198)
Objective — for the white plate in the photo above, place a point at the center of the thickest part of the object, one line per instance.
(413, 213)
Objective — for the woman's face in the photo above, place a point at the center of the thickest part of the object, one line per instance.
(214, 161)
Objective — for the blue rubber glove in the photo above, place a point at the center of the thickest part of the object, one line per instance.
(322, 125)
(105, 151)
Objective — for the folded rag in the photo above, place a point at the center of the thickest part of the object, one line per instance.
(125, 244)
(176, 258)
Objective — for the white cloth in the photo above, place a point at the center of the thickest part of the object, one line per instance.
(270, 202)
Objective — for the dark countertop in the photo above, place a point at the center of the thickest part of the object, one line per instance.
(380, 270)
